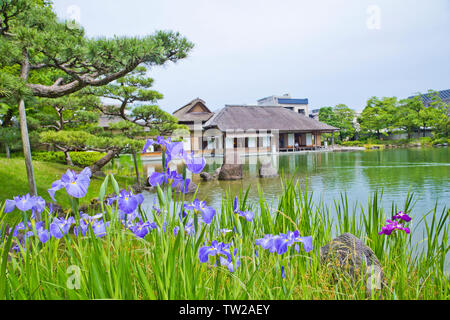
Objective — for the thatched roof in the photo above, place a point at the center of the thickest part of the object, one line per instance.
(264, 118)
(105, 120)
(190, 113)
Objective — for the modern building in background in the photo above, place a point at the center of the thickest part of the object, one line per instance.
(314, 114)
(286, 101)
(428, 97)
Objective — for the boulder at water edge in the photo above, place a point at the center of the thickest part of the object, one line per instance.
(348, 254)
(231, 172)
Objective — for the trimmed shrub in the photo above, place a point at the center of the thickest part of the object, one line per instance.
(355, 143)
(80, 159)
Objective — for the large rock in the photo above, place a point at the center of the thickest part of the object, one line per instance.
(206, 176)
(348, 254)
(231, 172)
(192, 187)
(216, 173)
(266, 171)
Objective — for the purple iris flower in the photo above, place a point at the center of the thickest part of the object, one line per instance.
(195, 165)
(75, 184)
(183, 186)
(60, 227)
(175, 230)
(281, 242)
(158, 210)
(128, 202)
(148, 144)
(25, 203)
(140, 229)
(86, 221)
(201, 207)
(247, 215)
(214, 249)
(100, 228)
(282, 272)
(174, 151)
(391, 227)
(129, 218)
(20, 226)
(159, 140)
(228, 262)
(266, 243)
(42, 233)
(189, 228)
(171, 178)
(402, 216)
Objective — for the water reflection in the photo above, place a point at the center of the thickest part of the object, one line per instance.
(327, 174)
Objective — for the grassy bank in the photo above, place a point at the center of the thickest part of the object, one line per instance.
(13, 180)
(163, 265)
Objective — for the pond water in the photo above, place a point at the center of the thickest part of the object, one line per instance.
(358, 173)
(425, 171)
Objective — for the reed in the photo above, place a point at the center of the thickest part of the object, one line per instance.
(163, 265)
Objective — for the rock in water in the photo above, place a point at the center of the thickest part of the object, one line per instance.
(206, 176)
(348, 254)
(231, 172)
(266, 171)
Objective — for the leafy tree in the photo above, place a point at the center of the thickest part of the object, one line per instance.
(413, 114)
(379, 115)
(135, 88)
(327, 115)
(9, 136)
(132, 131)
(438, 114)
(344, 118)
(340, 117)
(85, 141)
(32, 37)
(139, 120)
(72, 112)
(407, 115)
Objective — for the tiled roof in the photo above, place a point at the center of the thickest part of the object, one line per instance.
(264, 118)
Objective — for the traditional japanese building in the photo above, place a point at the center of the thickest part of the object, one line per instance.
(249, 129)
(263, 129)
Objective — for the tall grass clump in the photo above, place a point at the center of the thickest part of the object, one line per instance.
(184, 249)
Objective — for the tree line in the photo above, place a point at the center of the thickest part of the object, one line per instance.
(53, 78)
(382, 116)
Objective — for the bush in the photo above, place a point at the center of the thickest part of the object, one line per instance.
(440, 141)
(86, 159)
(425, 141)
(80, 159)
(49, 156)
(355, 143)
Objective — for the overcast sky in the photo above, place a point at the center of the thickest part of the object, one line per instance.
(329, 51)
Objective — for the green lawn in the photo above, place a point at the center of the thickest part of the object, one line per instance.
(13, 180)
